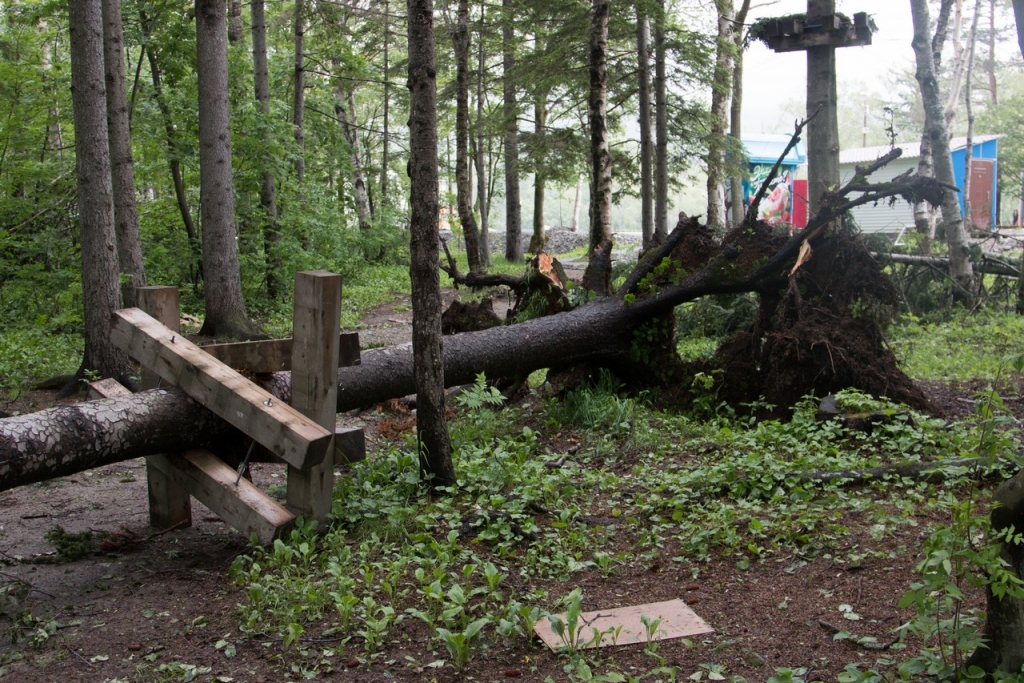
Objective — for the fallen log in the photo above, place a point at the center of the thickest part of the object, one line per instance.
(989, 264)
(68, 439)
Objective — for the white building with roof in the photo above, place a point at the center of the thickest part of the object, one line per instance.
(898, 217)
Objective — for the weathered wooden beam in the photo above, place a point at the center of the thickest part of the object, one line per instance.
(316, 317)
(107, 388)
(289, 434)
(170, 505)
(212, 482)
(349, 445)
(275, 355)
(802, 41)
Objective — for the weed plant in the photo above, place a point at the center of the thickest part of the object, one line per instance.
(506, 549)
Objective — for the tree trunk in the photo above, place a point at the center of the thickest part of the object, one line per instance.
(268, 189)
(660, 129)
(347, 121)
(736, 113)
(935, 127)
(435, 450)
(576, 202)
(299, 82)
(234, 21)
(1004, 617)
(100, 291)
(172, 156)
(990, 64)
(540, 127)
(643, 59)
(924, 215)
(1018, 16)
(481, 159)
(69, 439)
(460, 37)
(720, 89)
(386, 137)
(969, 151)
(598, 277)
(513, 209)
(126, 215)
(222, 293)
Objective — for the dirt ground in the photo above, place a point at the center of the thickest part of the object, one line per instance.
(147, 600)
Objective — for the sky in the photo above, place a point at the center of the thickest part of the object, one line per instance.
(775, 84)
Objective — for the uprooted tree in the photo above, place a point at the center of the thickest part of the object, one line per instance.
(814, 334)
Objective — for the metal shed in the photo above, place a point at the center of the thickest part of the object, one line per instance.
(895, 218)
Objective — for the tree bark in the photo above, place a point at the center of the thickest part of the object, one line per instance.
(471, 233)
(1018, 16)
(172, 153)
(643, 58)
(510, 106)
(100, 291)
(69, 439)
(736, 113)
(126, 215)
(481, 158)
(299, 84)
(1004, 617)
(435, 451)
(720, 89)
(600, 152)
(222, 293)
(990, 63)
(968, 107)
(660, 129)
(935, 127)
(234, 20)
(268, 189)
(924, 214)
(347, 120)
(386, 137)
(540, 115)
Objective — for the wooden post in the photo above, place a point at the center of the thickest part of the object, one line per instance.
(823, 129)
(317, 324)
(169, 504)
(819, 33)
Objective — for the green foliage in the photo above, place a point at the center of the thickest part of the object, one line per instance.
(27, 356)
(392, 554)
(480, 395)
(715, 316)
(70, 547)
(967, 347)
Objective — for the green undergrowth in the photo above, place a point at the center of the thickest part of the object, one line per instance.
(966, 347)
(28, 356)
(554, 493)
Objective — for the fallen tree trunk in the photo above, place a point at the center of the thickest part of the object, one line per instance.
(689, 265)
(988, 265)
(73, 438)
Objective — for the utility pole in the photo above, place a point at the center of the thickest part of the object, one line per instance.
(819, 33)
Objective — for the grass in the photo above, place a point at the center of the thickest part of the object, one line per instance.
(966, 347)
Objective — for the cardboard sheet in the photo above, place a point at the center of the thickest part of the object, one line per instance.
(624, 626)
